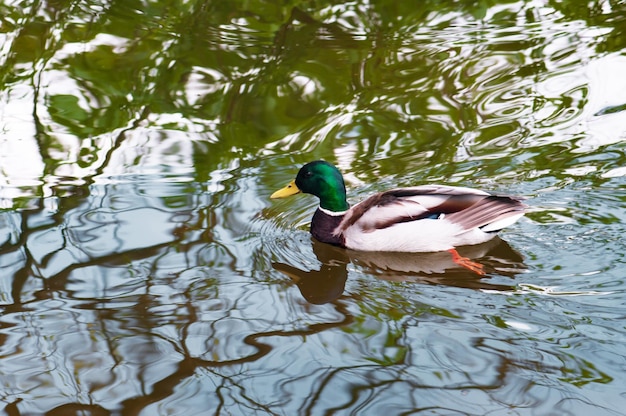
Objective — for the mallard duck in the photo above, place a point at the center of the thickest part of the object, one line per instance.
(426, 218)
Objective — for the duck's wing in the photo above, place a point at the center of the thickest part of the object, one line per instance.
(491, 214)
(469, 208)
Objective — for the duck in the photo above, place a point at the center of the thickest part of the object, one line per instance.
(415, 219)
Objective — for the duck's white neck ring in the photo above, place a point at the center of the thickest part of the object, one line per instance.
(332, 213)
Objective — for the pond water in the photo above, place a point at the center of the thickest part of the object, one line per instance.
(146, 271)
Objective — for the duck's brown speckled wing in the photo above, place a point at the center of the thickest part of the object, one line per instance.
(469, 208)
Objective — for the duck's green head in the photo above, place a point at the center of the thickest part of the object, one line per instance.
(321, 179)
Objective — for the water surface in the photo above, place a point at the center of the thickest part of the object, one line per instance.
(145, 270)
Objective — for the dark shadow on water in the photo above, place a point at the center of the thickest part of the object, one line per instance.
(328, 283)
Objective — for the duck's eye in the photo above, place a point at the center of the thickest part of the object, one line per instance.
(308, 174)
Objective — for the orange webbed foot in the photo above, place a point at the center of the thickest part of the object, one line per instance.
(467, 263)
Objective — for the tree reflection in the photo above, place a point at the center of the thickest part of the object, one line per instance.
(250, 77)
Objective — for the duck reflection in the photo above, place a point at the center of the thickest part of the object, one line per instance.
(328, 283)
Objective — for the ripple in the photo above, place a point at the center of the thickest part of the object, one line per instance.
(554, 291)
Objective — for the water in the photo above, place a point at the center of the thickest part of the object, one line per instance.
(145, 270)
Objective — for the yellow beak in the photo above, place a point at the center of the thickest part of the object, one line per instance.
(288, 190)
